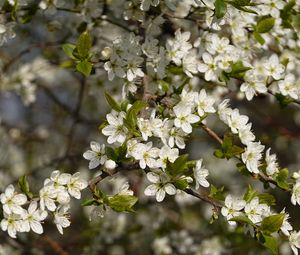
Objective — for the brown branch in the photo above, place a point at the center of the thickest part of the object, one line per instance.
(204, 196)
(260, 176)
(212, 134)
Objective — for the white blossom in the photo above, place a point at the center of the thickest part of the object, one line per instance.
(12, 201)
(200, 174)
(160, 186)
(232, 208)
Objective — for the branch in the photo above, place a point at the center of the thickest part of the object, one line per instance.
(260, 176)
(204, 196)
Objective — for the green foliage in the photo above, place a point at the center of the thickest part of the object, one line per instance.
(272, 223)
(131, 117)
(266, 198)
(282, 178)
(216, 193)
(84, 67)
(243, 5)
(179, 166)
(83, 45)
(24, 186)
(250, 194)
(89, 202)
(164, 85)
(259, 38)
(112, 102)
(181, 183)
(265, 24)
(122, 203)
(117, 154)
(68, 48)
(284, 101)
(243, 220)
(237, 71)
(228, 149)
(80, 53)
(220, 8)
(268, 241)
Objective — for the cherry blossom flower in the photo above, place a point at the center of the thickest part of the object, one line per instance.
(12, 201)
(160, 186)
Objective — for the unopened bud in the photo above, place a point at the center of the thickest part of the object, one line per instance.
(106, 52)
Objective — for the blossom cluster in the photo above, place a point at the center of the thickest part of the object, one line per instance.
(53, 198)
(170, 134)
(256, 211)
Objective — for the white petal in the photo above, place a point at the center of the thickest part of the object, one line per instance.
(36, 227)
(153, 177)
(170, 189)
(160, 195)
(151, 190)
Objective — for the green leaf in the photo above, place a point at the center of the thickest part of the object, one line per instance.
(164, 86)
(216, 193)
(219, 154)
(282, 178)
(89, 202)
(228, 149)
(68, 48)
(250, 194)
(220, 8)
(266, 198)
(121, 203)
(259, 38)
(272, 223)
(269, 242)
(238, 70)
(284, 101)
(241, 5)
(113, 104)
(181, 184)
(178, 167)
(84, 67)
(265, 24)
(296, 21)
(111, 153)
(242, 219)
(131, 116)
(24, 186)
(84, 44)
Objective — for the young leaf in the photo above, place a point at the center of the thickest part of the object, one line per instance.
(68, 48)
(272, 223)
(179, 166)
(217, 193)
(84, 67)
(181, 184)
(131, 116)
(220, 8)
(265, 25)
(269, 242)
(84, 44)
(113, 104)
(24, 186)
(259, 38)
(250, 194)
(282, 178)
(89, 202)
(266, 198)
(242, 219)
(121, 203)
